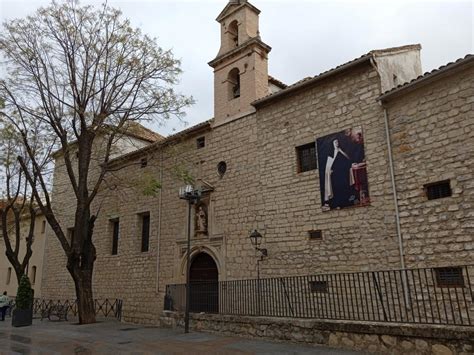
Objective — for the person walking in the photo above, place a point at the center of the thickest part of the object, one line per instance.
(4, 304)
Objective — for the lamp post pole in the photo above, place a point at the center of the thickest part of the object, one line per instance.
(259, 293)
(188, 265)
(191, 195)
(256, 239)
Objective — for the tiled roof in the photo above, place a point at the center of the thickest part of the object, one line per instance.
(132, 129)
(188, 130)
(277, 82)
(161, 142)
(312, 79)
(303, 82)
(428, 75)
(137, 130)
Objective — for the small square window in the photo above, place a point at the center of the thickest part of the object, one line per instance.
(307, 159)
(143, 162)
(438, 189)
(318, 286)
(200, 142)
(449, 277)
(315, 234)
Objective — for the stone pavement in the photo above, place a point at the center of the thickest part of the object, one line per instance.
(112, 337)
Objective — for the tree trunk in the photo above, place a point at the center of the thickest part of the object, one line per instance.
(81, 264)
(85, 300)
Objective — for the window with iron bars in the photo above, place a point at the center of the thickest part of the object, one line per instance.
(318, 286)
(449, 277)
(438, 189)
(307, 159)
(315, 234)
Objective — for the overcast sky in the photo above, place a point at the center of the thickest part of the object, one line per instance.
(307, 37)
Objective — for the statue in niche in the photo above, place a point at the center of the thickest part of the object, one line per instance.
(201, 219)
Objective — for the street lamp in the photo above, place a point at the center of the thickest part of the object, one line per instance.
(191, 195)
(256, 239)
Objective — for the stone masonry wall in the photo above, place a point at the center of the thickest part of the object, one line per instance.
(262, 190)
(379, 338)
(432, 134)
(130, 275)
(358, 238)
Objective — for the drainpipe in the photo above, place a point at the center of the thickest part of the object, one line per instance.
(392, 175)
(394, 189)
(160, 205)
(397, 213)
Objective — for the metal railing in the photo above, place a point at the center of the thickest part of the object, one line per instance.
(103, 307)
(423, 295)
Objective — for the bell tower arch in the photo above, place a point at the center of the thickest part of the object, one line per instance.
(241, 66)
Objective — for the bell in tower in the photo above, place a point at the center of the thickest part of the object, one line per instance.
(241, 66)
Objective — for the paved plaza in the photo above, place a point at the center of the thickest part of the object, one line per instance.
(112, 337)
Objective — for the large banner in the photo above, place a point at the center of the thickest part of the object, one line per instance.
(342, 169)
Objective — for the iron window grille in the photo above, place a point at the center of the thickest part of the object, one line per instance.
(200, 142)
(318, 286)
(307, 159)
(449, 277)
(438, 189)
(221, 168)
(315, 234)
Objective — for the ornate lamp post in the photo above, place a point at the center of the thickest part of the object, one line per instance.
(191, 195)
(256, 240)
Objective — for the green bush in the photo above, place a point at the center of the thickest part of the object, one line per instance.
(24, 295)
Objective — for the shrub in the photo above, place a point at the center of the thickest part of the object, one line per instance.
(24, 296)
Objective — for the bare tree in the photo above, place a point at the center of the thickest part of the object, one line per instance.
(80, 72)
(17, 207)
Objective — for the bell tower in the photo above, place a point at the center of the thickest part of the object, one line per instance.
(241, 66)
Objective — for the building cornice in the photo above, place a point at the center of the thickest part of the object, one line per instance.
(238, 5)
(253, 42)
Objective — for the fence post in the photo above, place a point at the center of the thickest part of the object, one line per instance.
(377, 287)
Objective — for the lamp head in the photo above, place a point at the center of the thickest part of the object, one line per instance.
(255, 238)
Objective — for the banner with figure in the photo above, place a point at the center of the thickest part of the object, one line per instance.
(342, 169)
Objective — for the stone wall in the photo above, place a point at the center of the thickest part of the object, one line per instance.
(357, 238)
(130, 275)
(432, 134)
(263, 190)
(381, 338)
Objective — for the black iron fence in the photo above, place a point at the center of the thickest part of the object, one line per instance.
(424, 295)
(103, 307)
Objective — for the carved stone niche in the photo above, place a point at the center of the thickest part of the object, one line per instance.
(201, 218)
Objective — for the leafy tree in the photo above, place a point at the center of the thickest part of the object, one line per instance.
(81, 74)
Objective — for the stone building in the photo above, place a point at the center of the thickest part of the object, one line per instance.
(343, 171)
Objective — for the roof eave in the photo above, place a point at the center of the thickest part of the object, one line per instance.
(425, 80)
(253, 41)
(291, 89)
(161, 143)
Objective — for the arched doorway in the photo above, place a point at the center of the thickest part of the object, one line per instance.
(204, 287)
